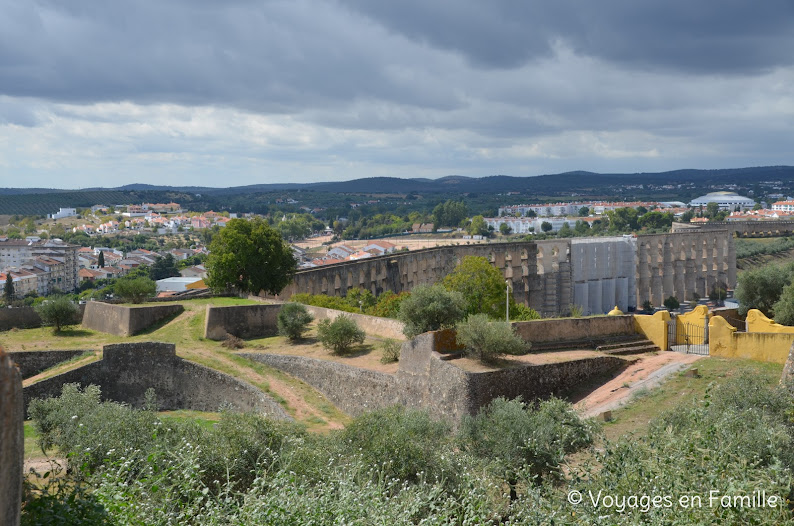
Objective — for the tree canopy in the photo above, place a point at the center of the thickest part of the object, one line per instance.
(449, 213)
(249, 256)
(760, 288)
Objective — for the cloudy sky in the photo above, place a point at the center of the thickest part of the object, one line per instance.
(233, 92)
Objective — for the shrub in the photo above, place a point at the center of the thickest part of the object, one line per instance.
(402, 443)
(233, 342)
(575, 310)
(430, 308)
(361, 300)
(487, 340)
(521, 312)
(321, 300)
(671, 303)
(293, 320)
(135, 290)
(512, 436)
(391, 350)
(59, 312)
(339, 335)
(388, 304)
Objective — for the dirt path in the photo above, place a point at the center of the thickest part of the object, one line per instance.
(646, 373)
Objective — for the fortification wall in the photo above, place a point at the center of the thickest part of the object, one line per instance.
(425, 380)
(31, 363)
(243, 321)
(28, 318)
(383, 327)
(351, 389)
(127, 370)
(125, 321)
(571, 329)
(12, 441)
(742, 228)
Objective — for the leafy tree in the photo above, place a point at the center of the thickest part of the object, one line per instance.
(581, 228)
(135, 290)
(429, 308)
(584, 211)
(450, 213)
(531, 213)
(546, 226)
(360, 299)
(760, 288)
(339, 335)
(687, 216)
(478, 226)
(481, 284)
(60, 312)
(623, 219)
(163, 267)
(101, 259)
(647, 306)
(712, 209)
(388, 304)
(671, 303)
(391, 350)
(784, 307)
(656, 220)
(249, 256)
(293, 320)
(488, 340)
(565, 230)
(8, 289)
(505, 229)
(513, 437)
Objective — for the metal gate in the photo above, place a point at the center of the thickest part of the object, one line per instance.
(687, 338)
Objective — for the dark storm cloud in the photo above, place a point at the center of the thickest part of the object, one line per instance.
(730, 36)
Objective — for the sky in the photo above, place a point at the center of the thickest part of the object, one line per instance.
(236, 92)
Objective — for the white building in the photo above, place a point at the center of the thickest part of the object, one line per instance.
(726, 201)
(528, 225)
(176, 284)
(783, 206)
(63, 212)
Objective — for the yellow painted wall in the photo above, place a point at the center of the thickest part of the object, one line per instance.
(653, 327)
(724, 341)
(197, 285)
(758, 322)
(698, 317)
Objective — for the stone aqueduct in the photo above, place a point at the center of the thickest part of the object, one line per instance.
(549, 276)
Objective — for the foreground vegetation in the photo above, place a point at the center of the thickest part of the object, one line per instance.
(512, 464)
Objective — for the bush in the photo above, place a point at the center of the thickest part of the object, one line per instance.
(388, 304)
(512, 437)
(293, 320)
(391, 350)
(339, 335)
(361, 300)
(402, 443)
(233, 342)
(430, 308)
(59, 312)
(487, 340)
(671, 303)
(521, 312)
(135, 290)
(321, 300)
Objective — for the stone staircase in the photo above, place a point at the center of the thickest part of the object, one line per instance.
(637, 346)
(616, 344)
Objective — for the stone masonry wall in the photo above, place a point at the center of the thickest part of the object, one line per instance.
(125, 321)
(243, 321)
(12, 441)
(31, 363)
(27, 318)
(571, 329)
(127, 370)
(351, 389)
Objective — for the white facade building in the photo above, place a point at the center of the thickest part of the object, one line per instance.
(726, 201)
(63, 212)
(529, 225)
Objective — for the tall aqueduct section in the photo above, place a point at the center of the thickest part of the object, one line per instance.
(551, 275)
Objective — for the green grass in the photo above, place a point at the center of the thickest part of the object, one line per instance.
(32, 448)
(647, 405)
(205, 419)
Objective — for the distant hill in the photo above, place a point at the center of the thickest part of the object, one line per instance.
(46, 200)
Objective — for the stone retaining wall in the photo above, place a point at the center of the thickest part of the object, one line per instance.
(127, 370)
(351, 389)
(31, 363)
(27, 318)
(125, 321)
(12, 441)
(243, 321)
(375, 325)
(572, 329)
